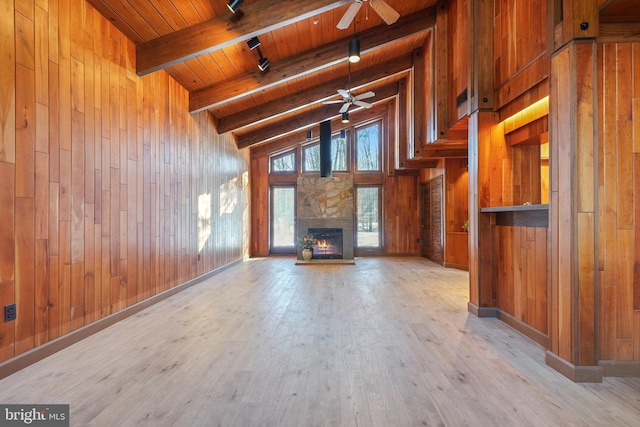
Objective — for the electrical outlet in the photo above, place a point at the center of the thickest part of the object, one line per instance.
(10, 312)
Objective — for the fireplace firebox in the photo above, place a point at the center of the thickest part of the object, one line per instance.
(328, 243)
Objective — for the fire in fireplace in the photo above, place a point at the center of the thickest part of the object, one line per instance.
(328, 243)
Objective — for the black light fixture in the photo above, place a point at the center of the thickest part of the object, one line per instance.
(234, 5)
(343, 133)
(253, 43)
(309, 135)
(354, 51)
(354, 46)
(345, 117)
(263, 64)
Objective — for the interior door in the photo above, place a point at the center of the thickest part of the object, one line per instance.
(432, 220)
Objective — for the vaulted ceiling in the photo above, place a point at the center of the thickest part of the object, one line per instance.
(203, 46)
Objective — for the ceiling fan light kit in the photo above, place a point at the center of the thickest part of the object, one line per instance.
(345, 117)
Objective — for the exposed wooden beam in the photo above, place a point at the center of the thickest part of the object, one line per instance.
(304, 120)
(419, 164)
(282, 144)
(442, 153)
(313, 95)
(309, 62)
(258, 18)
(297, 137)
(617, 32)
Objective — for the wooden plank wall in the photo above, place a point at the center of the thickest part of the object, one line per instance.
(501, 174)
(459, 59)
(520, 59)
(618, 192)
(521, 272)
(100, 176)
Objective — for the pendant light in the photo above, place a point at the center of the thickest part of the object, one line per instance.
(354, 47)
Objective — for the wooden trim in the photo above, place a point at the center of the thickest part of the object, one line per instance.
(456, 266)
(578, 374)
(523, 328)
(29, 358)
(620, 368)
(482, 312)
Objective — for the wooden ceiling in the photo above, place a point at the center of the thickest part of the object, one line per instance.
(203, 46)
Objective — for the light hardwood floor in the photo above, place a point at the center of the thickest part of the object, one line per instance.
(386, 342)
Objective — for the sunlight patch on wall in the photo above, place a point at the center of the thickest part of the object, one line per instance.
(228, 196)
(204, 219)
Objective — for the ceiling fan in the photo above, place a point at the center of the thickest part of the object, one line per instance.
(386, 12)
(350, 99)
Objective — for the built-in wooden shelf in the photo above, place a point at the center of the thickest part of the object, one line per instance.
(521, 215)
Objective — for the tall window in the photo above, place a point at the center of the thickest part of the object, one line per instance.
(339, 156)
(311, 158)
(368, 221)
(283, 215)
(368, 147)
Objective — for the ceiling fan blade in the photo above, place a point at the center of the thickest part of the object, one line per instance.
(386, 12)
(343, 93)
(337, 101)
(362, 104)
(365, 95)
(344, 108)
(348, 16)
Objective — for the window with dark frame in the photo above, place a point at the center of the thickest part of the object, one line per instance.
(284, 163)
(368, 148)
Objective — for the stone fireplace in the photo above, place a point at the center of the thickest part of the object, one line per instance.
(325, 205)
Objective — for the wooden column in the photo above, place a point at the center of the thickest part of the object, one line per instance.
(482, 121)
(573, 130)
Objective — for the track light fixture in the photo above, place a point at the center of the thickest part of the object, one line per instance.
(254, 43)
(345, 117)
(234, 5)
(263, 64)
